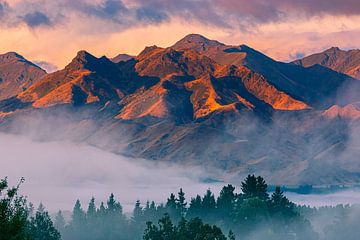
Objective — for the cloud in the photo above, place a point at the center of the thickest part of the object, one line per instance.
(48, 67)
(36, 19)
(229, 14)
(296, 55)
(3, 8)
(109, 9)
(73, 171)
(151, 15)
(235, 13)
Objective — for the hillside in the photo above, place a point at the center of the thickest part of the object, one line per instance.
(230, 109)
(17, 74)
(347, 62)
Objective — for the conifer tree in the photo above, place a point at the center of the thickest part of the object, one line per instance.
(59, 223)
(41, 226)
(78, 219)
(181, 203)
(226, 200)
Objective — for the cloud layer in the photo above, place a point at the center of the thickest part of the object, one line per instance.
(283, 29)
(225, 13)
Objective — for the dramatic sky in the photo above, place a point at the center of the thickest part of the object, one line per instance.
(50, 32)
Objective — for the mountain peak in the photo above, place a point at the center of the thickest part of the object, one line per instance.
(343, 61)
(84, 56)
(12, 55)
(83, 59)
(333, 50)
(195, 41)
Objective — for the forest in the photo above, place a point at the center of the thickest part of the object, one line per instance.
(251, 213)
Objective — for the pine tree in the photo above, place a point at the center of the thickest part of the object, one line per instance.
(181, 203)
(280, 205)
(195, 208)
(254, 187)
(261, 188)
(41, 226)
(171, 206)
(208, 202)
(225, 201)
(208, 206)
(91, 211)
(249, 187)
(78, 220)
(59, 222)
(13, 213)
(137, 213)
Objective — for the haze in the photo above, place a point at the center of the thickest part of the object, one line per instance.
(58, 173)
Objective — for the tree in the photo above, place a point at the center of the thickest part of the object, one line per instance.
(78, 220)
(195, 208)
(137, 213)
(13, 213)
(185, 230)
(181, 203)
(280, 205)
(171, 207)
(208, 205)
(254, 187)
(59, 222)
(91, 211)
(114, 207)
(41, 226)
(225, 201)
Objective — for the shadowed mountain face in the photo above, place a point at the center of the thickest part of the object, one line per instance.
(347, 62)
(17, 74)
(200, 102)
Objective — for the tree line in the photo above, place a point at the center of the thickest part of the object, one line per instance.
(252, 213)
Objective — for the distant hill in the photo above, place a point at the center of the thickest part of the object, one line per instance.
(17, 74)
(347, 62)
(122, 58)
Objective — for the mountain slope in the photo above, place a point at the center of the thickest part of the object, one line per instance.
(200, 102)
(85, 80)
(302, 84)
(347, 62)
(17, 74)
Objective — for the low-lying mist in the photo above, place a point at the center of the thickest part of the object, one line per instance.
(58, 173)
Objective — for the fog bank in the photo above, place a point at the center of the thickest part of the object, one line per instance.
(58, 173)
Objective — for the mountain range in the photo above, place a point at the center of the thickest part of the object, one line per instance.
(230, 109)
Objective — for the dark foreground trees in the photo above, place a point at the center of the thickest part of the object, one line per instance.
(16, 220)
(251, 213)
(185, 230)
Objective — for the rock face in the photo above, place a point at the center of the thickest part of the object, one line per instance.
(17, 74)
(200, 102)
(347, 62)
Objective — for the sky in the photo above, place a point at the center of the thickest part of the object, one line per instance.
(50, 33)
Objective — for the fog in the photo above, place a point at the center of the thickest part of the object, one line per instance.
(58, 173)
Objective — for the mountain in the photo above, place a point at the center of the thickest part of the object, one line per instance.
(347, 62)
(85, 80)
(230, 109)
(121, 58)
(17, 74)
